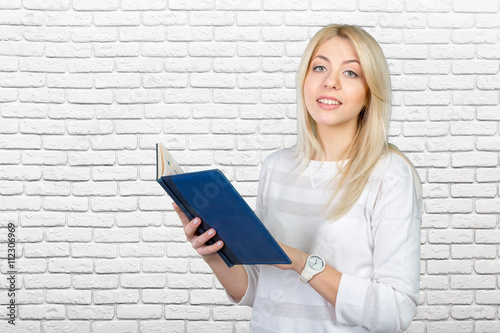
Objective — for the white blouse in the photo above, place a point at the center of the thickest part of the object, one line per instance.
(376, 246)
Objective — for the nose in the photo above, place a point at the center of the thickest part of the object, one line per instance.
(332, 81)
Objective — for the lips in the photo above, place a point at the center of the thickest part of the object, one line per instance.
(328, 100)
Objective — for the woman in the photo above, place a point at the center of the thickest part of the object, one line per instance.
(344, 204)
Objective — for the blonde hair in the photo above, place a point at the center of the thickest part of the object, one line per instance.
(370, 142)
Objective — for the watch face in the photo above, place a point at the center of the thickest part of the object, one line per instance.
(316, 263)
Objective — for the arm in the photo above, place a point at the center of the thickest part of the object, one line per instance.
(387, 300)
(234, 279)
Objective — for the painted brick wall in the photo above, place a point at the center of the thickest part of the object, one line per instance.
(87, 87)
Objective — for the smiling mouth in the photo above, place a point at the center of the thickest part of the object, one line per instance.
(328, 101)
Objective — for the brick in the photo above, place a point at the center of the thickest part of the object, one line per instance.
(209, 297)
(487, 266)
(473, 221)
(211, 18)
(87, 96)
(116, 235)
(39, 312)
(87, 281)
(460, 312)
(457, 327)
(191, 281)
(19, 203)
(41, 127)
(187, 312)
(67, 204)
(473, 190)
(48, 281)
(473, 251)
(117, 266)
(115, 19)
(93, 251)
(486, 326)
(142, 250)
(483, 6)
(449, 297)
(140, 5)
(116, 296)
(474, 159)
(429, 129)
(153, 265)
(68, 296)
(433, 282)
(66, 143)
(48, 188)
(432, 313)
(68, 235)
(38, 34)
(20, 142)
(450, 20)
(22, 81)
(91, 158)
(116, 326)
(114, 173)
(70, 266)
(197, 142)
(113, 50)
(488, 143)
(43, 219)
(450, 144)
(66, 326)
(166, 296)
(488, 297)
(140, 281)
(90, 312)
(456, 236)
(114, 142)
(487, 206)
(475, 98)
(435, 251)
(94, 5)
(90, 220)
(488, 236)
(11, 187)
(163, 235)
(186, 65)
(139, 311)
(464, 128)
(66, 173)
(73, 112)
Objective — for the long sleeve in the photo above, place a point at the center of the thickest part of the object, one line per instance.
(387, 302)
(253, 270)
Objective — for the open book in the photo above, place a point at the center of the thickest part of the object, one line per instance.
(210, 196)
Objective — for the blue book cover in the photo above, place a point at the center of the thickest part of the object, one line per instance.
(210, 196)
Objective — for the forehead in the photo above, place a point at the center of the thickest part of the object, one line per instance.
(337, 48)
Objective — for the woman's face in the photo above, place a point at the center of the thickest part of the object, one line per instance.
(334, 88)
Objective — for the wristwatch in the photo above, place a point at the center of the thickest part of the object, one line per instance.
(314, 265)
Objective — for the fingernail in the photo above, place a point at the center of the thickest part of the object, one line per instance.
(211, 232)
(219, 243)
(196, 221)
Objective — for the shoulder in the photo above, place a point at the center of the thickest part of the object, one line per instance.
(393, 166)
(280, 159)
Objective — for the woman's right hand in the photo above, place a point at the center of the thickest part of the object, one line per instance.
(198, 241)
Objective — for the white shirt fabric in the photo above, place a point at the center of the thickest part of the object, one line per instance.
(376, 246)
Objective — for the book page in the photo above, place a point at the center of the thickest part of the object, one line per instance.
(166, 164)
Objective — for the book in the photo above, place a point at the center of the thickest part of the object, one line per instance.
(210, 196)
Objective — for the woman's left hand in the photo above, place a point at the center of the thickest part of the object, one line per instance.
(297, 257)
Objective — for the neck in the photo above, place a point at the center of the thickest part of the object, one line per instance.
(334, 143)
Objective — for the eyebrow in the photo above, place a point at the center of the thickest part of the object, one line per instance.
(345, 62)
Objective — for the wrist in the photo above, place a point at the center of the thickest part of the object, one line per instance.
(300, 263)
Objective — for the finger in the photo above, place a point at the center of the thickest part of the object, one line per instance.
(210, 249)
(182, 216)
(190, 228)
(203, 238)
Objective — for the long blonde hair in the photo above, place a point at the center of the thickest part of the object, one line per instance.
(370, 142)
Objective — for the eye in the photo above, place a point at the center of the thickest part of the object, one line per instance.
(350, 73)
(319, 68)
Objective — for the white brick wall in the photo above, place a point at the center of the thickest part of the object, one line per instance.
(88, 87)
